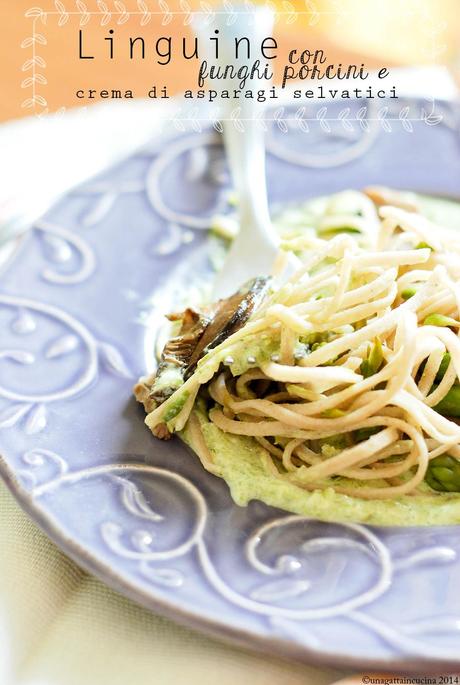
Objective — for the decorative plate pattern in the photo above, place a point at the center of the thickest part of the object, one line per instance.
(80, 300)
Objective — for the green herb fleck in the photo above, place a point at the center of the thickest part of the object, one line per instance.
(407, 293)
(374, 360)
(175, 407)
(440, 320)
(333, 413)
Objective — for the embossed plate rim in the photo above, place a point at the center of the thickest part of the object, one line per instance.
(191, 619)
(192, 616)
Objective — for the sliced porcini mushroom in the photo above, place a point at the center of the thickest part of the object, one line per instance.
(381, 195)
(177, 353)
(179, 350)
(199, 332)
(230, 315)
(142, 391)
(161, 432)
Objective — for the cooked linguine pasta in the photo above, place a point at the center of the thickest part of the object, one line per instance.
(348, 374)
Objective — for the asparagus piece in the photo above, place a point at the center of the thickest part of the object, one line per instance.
(443, 474)
(450, 403)
(440, 320)
(374, 360)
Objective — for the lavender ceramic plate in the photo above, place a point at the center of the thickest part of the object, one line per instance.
(76, 299)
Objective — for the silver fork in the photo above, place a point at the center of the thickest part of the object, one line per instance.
(256, 247)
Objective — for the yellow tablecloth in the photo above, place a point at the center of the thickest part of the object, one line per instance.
(60, 626)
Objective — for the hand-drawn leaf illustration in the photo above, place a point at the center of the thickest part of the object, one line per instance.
(28, 64)
(84, 18)
(218, 126)
(301, 122)
(37, 420)
(178, 124)
(236, 121)
(343, 116)
(167, 15)
(38, 78)
(405, 121)
(278, 116)
(383, 120)
(27, 42)
(280, 589)
(314, 14)
(64, 16)
(361, 117)
(273, 8)
(34, 12)
(124, 14)
(290, 12)
(38, 99)
(11, 415)
(433, 119)
(209, 14)
(104, 10)
(196, 124)
(404, 112)
(26, 104)
(321, 117)
(40, 38)
(146, 17)
(231, 14)
(187, 10)
(260, 121)
(113, 360)
(63, 345)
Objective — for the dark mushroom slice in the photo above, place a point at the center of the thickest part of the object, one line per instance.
(229, 316)
(199, 332)
(177, 353)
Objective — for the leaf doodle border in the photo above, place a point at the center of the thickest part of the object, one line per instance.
(36, 64)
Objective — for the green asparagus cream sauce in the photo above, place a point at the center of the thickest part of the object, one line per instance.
(240, 462)
(240, 459)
